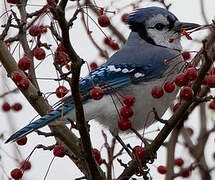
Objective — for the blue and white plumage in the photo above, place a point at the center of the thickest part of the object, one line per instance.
(133, 70)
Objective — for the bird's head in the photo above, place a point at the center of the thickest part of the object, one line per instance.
(157, 25)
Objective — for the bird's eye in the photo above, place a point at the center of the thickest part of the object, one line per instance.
(159, 26)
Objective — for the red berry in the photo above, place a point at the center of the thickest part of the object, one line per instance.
(124, 124)
(139, 151)
(24, 63)
(103, 21)
(126, 112)
(124, 18)
(179, 162)
(96, 154)
(96, 93)
(16, 77)
(11, 1)
(35, 30)
(161, 169)
(16, 174)
(212, 104)
(185, 174)
(181, 80)
(22, 141)
(25, 165)
(186, 93)
(157, 92)
(169, 87)
(24, 83)
(191, 73)
(6, 106)
(129, 100)
(186, 55)
(39, 53)
(61, 91)
(93, 66)
(17, 107)
(59, 151)
(175, 107)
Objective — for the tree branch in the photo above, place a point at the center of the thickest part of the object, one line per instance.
(93, 170)
(171, 153)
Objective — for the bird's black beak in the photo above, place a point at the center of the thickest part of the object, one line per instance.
(184, 25)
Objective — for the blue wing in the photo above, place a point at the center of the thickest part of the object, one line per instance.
(115, 76)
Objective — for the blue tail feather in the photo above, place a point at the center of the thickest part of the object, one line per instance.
(41, 122)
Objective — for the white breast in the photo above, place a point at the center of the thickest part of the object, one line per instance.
(105, 112)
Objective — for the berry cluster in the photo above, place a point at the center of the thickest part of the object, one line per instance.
(183, 80)
(17, 173)
(126, 112)
(37, 30)
(178, 162)
(15, 107)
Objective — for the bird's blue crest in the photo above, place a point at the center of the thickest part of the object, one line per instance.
(140, 16)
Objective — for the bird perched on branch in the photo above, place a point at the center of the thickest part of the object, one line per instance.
(150, 57)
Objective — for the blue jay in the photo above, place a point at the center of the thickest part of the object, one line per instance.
(134, 70)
